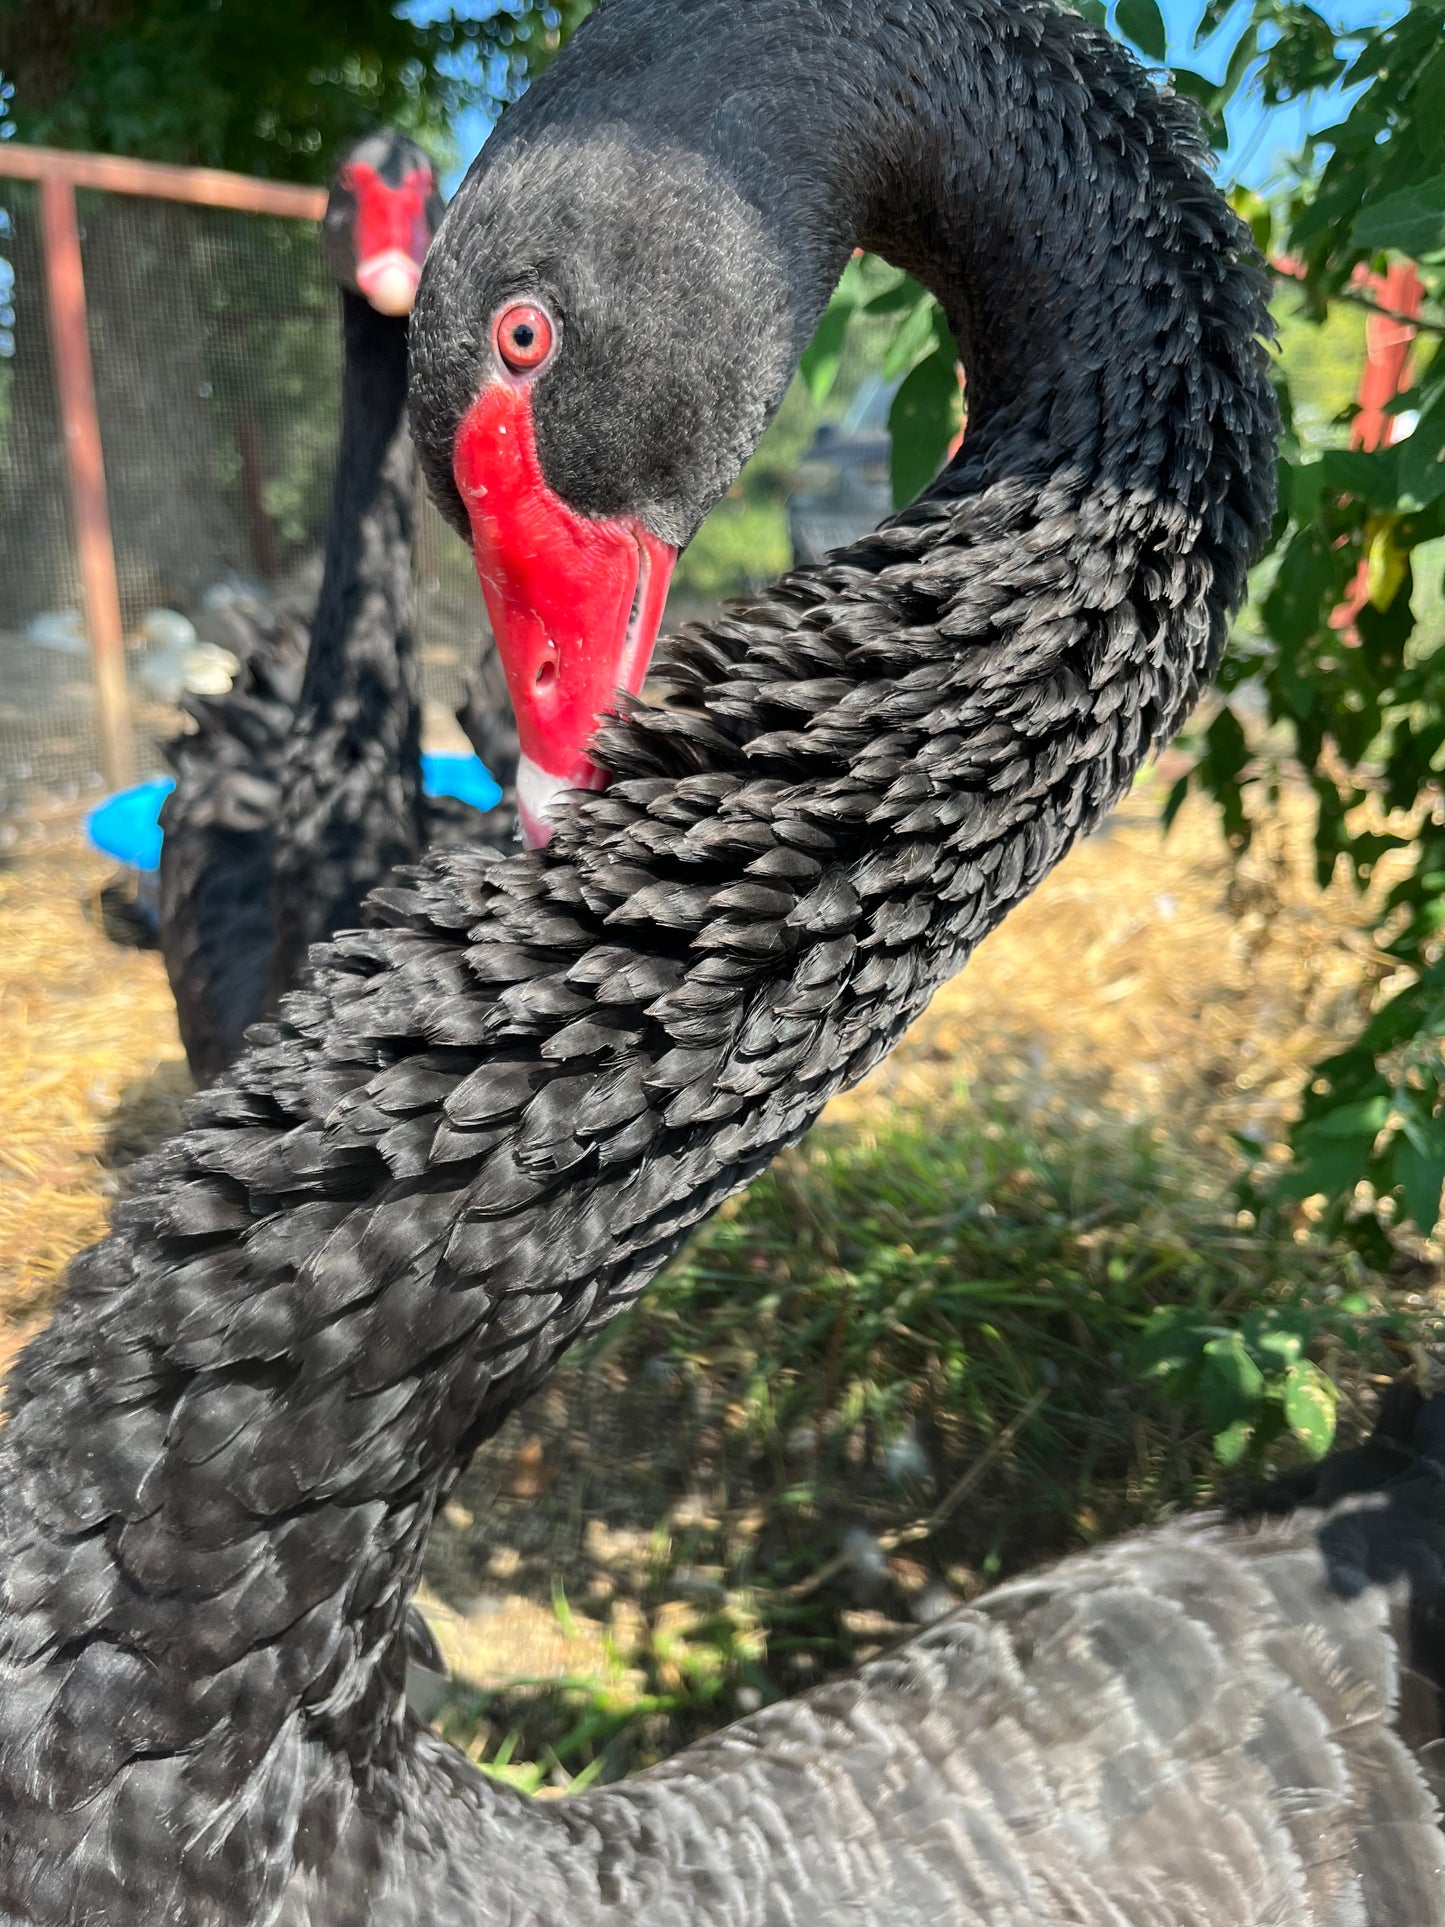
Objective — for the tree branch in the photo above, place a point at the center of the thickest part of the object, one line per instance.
(1358, 300)
(1389, 314)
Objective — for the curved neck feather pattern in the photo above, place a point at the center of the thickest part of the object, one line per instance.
(351, 777)
(481, 1127)
(1061, 210)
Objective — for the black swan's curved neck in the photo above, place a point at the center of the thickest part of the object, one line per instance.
(986, 166)
(1033, 179)
(481, 1127)
(351, 779)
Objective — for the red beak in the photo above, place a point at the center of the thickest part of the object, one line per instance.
(575, 602)
(392, 236)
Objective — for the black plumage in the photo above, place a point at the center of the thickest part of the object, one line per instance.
(217, 924)
(483, 1123)
(300, 789)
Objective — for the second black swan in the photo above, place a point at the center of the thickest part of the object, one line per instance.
(482, 1124)
(300, 788)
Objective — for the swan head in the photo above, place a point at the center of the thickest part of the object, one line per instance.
(385, 205)
(605, 327)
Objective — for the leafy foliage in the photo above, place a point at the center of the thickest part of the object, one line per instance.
(267, 87)
(1359, 706)
(1255, 1383)
(957, 1262)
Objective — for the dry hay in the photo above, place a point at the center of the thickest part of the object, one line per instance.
(1147, 977)
(91, 1069)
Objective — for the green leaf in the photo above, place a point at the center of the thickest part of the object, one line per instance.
(1279, 1349)
(1421, 457)
(1329, 1173)
(1364, 1118)
(1232, 1443)
(1346, 1075)
(1419, 1170)
(819, 366)
(1309, 578)
(1301, 484)
(1227, 749)
(923, 421)
(1142, 22)
(1369, 476)
(913, 340)
(1309, 1408)
(902, 293)
(1412, 220)
(1427, 102)
(1213, 18)
(1185, 81)
(1387, 565)
(1246, 52)
(1254, 209)
(1175, 801)
(1172, 1340)
(1230, 1384)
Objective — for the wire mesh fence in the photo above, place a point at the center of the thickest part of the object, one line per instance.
(215, 347)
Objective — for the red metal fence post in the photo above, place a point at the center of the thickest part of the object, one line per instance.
(1386, 372)
(75, 390)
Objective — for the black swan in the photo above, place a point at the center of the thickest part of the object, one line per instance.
(480, 1125)
(300, 788)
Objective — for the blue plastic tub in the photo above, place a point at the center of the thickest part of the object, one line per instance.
(467, 778)
(125, 825)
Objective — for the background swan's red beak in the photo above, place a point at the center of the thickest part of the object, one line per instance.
(575, 603)
(392, 236)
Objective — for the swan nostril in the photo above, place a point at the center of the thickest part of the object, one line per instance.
(545, 677)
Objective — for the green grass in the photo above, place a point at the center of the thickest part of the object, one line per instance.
(949, 1267)
(925, 1356)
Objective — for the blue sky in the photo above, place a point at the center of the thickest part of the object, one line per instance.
(1262, 141)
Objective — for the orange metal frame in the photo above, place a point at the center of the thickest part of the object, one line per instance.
(59, 174)
(200, 186)
(75, 391)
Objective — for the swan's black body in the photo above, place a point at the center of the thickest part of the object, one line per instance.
(217, 923)
(352, 804)
(481, 1125)
(300, 789)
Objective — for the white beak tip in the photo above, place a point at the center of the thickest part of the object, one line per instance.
(538, 789)
(389, 282)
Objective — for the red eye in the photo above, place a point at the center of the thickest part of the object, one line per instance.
(524, 337)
